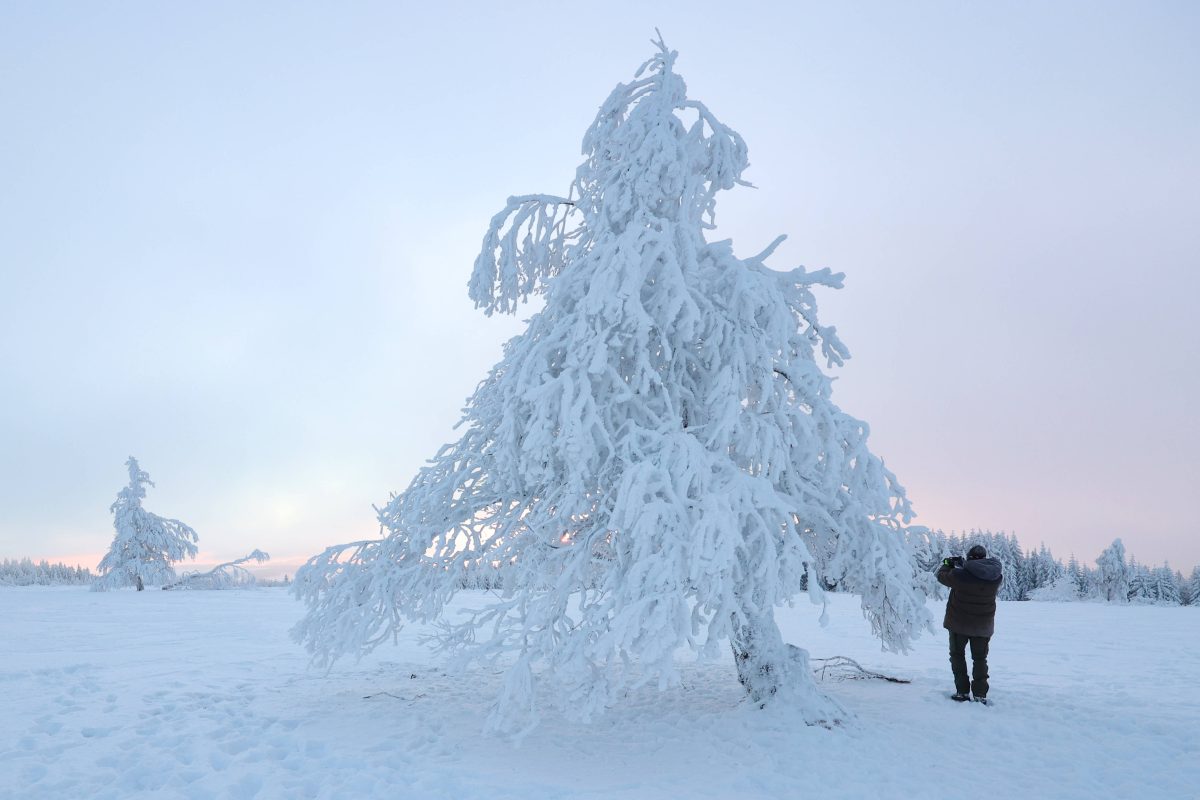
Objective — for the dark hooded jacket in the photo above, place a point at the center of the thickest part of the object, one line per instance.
(971, 609)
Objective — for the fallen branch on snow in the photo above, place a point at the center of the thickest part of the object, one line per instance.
(844, 668)
(409, 700)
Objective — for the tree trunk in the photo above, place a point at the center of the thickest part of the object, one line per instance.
(759, 654)
(768, 667)
(139, 583)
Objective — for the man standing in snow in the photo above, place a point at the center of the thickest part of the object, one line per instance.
(970, 618)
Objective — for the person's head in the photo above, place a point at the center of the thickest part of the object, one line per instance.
(976, 552)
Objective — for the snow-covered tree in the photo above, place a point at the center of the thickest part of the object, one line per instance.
(1166, 585)
(928, 551)
(1113, 573)
(1043, 569)
(1191, 589)
(145, 544)
(1078, 576)
(655, 463)
(1141, 583)
(1007, 550)
(230, 575)
(1089, 582)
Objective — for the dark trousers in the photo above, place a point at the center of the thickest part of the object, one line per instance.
(978, 684)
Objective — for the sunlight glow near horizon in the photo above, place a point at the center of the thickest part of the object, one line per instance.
(250, 271)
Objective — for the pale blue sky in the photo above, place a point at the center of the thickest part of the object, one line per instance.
(235, 239)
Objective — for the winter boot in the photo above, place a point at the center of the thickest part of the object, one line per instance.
(960, 697)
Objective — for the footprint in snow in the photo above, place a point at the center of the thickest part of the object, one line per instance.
(47, 726)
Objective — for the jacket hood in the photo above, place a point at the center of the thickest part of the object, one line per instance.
(985, 569)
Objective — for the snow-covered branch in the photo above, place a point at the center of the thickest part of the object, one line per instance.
(525, 246)
(230, 575)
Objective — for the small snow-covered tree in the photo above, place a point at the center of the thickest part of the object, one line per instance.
(656, 462)
(928, 548)
(145, 544)
(1077, 576)
(230, 575)
(1091, 579)
(1044, 570)
(1166, 586)
(1141, 583)
(1113, 573)
(1190, 590)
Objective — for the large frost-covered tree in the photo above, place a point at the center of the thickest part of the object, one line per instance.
(655, 463)
(145, 545)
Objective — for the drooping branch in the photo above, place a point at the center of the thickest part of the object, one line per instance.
(223, 576)
(796, 287)
(525, 245)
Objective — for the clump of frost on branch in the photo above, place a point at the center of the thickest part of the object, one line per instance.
(145, 545)
(230, 575)
(655, 463)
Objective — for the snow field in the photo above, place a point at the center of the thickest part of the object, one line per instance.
(202, 695)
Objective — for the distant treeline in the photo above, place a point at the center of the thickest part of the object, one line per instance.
(26, 572)
(1038, 575)
(1028, 575)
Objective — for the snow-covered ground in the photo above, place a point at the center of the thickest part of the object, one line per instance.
(202, 695)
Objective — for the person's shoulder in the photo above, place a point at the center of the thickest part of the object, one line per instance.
(987, 571)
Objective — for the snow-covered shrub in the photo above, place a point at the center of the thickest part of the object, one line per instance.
(230, 575)
(145, 544)
(1062, 590)
(656, 462)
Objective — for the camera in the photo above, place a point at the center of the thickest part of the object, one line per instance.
(953, 561)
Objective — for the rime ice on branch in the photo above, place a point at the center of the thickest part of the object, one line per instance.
(655, 463)
(145, 544)
(230, 575)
